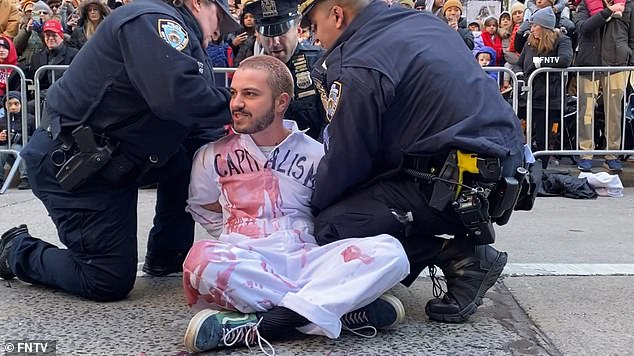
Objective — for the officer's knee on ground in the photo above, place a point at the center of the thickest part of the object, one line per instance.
(110, 287)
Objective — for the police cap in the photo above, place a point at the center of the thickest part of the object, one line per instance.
(273, 17)
(305, 7)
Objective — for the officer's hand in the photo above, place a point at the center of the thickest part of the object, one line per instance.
(3, 135)
(240, 39)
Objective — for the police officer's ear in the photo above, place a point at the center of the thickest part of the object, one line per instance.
(340, 19)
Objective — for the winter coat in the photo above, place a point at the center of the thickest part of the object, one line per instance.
(491, 52)
(78, 38)
(9, 18)
(496, 44)
(62, 55)
(605, 41)
(561, 50)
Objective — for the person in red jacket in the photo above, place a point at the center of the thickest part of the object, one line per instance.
(8, 56)
(491, 38)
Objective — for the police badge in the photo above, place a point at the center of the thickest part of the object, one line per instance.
(333, 100)
(173, 33)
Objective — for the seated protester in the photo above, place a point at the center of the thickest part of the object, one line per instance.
(30, 39)
(452, 12)
(265, 276)
(8, 56)
(545, 43)
(91, 14)
(56, 52)
(491, 38)
(486, 58)
(11, 128)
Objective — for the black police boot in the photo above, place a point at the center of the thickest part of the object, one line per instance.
(6, 241)
(469, 272)
(163, 265)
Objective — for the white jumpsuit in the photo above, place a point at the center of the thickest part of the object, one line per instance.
(265, 254)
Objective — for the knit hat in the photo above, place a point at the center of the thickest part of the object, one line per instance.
(504, 13)
(52, 3)
(452, 3)
(517, 6)
(27, 5)
(419, 3)
(41, 6)
(544, 17)
(409, 3)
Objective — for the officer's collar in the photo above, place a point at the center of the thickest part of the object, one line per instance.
(375, 8)
(191, 22)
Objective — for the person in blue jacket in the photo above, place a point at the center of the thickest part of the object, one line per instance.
(138, 99)
(400, 92)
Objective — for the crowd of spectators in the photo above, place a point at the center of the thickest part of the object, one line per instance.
(50, 32)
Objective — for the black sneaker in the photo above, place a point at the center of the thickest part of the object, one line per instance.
(211, 329)
(161, 266)
(24, 184)
(5, 247)
(469, 271)
(384, 313)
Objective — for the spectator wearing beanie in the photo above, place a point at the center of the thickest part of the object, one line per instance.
(452, 13)
(91, 14)
(419, 5)
(544, 41)
(30, 39)
(9, 18)
(567, 26)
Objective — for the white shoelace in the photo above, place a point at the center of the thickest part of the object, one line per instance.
(250, 334)
(357, 318)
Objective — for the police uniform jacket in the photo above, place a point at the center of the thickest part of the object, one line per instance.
(143, 80)
(402, 82)
(306, 108)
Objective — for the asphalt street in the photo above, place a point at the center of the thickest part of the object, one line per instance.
(566, 291)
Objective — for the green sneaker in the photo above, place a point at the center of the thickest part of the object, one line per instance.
(210, 329)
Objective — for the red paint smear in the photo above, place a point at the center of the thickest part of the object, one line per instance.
(354, 253)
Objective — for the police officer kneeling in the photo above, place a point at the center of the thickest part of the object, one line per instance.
(413, 148)
(131, 109)
(277, 35)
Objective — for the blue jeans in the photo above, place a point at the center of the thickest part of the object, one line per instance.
(4, 157)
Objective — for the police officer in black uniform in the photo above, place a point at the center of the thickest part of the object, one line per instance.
(137, 100)
(403, 95)
(277, 35)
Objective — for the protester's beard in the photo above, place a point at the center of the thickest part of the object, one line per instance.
(258, 123)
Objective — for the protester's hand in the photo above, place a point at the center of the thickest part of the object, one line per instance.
(453, 24)
(29, 25)
(240, 39)
(38, 26)
(3, 135)
(617, 8)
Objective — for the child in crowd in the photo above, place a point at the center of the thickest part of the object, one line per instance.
(491, 38)
(11, 130)
(486, 58)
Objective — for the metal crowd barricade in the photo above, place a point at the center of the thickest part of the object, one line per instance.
(594, 74)
(514, 82)
(226, 71)
(25, 136)
(54, 69)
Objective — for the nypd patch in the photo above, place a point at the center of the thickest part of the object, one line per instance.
(173, 33)
(333, 100)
